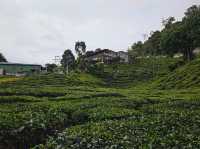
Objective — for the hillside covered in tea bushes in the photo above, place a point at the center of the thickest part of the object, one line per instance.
(186, 76)
(124, 107)
(140, 71)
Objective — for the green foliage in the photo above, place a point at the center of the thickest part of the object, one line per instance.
(176, 37)
(168, 22)
(163, 130)
(142, 70)
(152, 45)
(96, 69)
(2, 58)
(80, 48)
(68, 60)
(86, 111)
(136, 50)
(51, 67)
(172, 38)
(151, 103)
(186, 76)
(158, 119)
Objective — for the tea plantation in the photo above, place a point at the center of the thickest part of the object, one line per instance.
(126, 109)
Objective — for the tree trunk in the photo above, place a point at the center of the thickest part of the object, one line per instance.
(188, 54)
(67, 69)
(185, 54)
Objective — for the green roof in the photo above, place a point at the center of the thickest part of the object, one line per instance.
(5, 63)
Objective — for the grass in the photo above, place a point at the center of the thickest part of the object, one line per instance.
(186, 76)
(86, 111)
(8, 79)
(141, 71)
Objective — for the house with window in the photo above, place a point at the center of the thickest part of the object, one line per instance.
(123, 56)
(107, 56)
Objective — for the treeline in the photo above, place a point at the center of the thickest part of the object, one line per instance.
(176, 37)
(68, 61)
(80, 63)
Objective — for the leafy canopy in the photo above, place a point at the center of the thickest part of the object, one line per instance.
(2, 58)
(176, 37)
(68, 59)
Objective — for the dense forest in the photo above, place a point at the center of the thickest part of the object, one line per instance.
(175, 37)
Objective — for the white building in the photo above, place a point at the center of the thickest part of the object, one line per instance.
(123, 56)
(108, 56)
(1, 71)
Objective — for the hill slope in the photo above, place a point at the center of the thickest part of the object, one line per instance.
(142, 70)
(79, 111)
(186, 76)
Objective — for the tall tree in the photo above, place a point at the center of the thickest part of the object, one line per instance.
(172, 39)
(191, 23)
(183, 36)
(168, 22)
(50, 67)
(68, 60)
(80, 48)
(2, 58)
(136, 48)
(152, 45)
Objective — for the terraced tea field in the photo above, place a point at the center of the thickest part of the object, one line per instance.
(84, 111)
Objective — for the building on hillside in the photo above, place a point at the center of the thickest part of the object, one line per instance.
(2, 72)
(123, 56)
(17, 69)
(107, 56)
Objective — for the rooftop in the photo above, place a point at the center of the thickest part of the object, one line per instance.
(8, 63)
(100, 51)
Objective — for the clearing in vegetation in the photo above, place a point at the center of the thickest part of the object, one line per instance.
(128, 106)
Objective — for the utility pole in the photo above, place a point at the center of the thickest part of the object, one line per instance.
(57, 60)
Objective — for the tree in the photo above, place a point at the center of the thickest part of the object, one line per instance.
(2, 58)
(135, 50)
(152, 45)
(191, 23)
(68, 60)
(183, 36)
(172, 39)
(168, 22)
(50, 67)
(80, 48)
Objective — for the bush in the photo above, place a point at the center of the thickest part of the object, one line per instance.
(176, 65)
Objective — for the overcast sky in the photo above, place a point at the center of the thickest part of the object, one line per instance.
(34, 31)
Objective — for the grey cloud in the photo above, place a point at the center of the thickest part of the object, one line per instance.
(33, 31)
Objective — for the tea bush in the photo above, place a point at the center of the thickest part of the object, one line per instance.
(85, 111)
